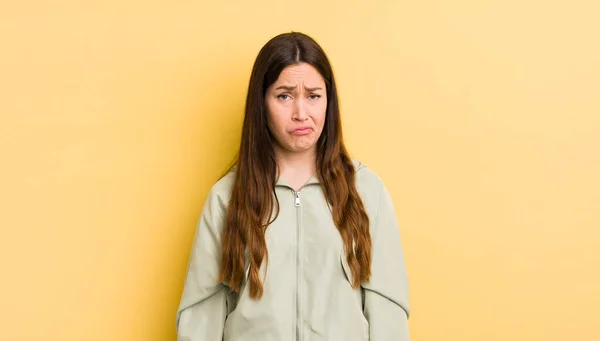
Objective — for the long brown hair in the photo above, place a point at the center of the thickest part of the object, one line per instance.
(253, 196)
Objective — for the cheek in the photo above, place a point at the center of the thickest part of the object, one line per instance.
(320, 114)
(275, 120)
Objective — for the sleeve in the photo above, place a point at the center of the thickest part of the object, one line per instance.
(386, 295)
(203, 307)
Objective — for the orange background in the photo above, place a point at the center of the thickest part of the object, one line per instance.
(483, 118)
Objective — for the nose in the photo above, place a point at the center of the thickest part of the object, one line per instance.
(300, 112)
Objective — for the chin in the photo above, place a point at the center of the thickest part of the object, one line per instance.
(296, 148)
(302, 149)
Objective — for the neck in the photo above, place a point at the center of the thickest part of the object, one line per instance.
(296, 168)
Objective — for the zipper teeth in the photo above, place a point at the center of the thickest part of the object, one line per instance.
(298, 317)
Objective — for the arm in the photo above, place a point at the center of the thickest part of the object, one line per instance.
(203, 307)
(386, 295)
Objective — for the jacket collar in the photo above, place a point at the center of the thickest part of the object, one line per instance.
(312, 180)
(315, 179)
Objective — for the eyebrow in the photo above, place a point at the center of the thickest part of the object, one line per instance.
(290, 88)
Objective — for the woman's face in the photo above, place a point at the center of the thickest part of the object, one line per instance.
(296, 105)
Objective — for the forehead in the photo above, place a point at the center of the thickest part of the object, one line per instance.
(302, 72)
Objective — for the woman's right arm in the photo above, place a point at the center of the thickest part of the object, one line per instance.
(203, 307)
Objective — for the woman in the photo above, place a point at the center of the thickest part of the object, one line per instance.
(298, 241)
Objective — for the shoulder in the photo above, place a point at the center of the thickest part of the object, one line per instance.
(366, 178)
(224, 185)
(220, 193)
(370, 186)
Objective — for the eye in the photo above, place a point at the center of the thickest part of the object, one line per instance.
(314, 96)
(284, 97)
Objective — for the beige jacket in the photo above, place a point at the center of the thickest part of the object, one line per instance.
(308, 294)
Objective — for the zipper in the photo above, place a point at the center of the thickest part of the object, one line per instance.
(298, 266)
(297, 328)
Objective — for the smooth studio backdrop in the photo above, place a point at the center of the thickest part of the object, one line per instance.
(482, 117)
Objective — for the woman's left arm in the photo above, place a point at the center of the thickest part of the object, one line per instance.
(386, 295)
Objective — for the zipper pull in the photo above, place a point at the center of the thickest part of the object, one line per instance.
(297, 203)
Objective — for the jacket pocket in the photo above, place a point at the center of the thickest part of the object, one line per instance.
(234, 297)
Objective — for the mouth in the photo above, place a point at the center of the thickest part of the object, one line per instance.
(302, 131)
